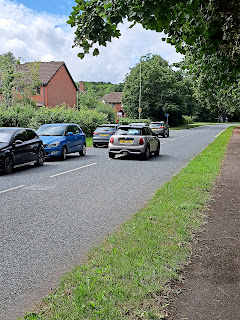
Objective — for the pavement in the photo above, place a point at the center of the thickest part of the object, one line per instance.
(209, 288)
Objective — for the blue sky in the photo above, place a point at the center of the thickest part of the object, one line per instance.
(59, 7)
(37, 31)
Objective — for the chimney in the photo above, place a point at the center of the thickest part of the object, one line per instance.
(81, 86)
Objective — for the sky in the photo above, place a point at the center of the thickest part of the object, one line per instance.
(38, 31)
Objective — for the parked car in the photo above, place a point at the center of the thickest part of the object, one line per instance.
(134, 140)
(59, 139)
(19, 146)
(103, 133)
(160, 128)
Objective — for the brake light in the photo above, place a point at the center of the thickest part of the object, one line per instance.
(111, 139)
(141, 141)
(161, 127)
(95, 133)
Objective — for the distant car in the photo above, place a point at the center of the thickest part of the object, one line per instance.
(160, 128)
(134, 140)
(139, 124)
(19, 146)
(103, 133)
(59, 139)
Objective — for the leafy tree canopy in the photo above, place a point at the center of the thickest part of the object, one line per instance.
(162, 91)
(203, 28)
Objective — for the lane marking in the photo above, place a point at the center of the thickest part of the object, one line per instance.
(173, 139)
(65, 172)
(163, 143)
(220, 133)
(181, 137)
(7, 190)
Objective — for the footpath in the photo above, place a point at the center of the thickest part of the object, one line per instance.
(210, 285)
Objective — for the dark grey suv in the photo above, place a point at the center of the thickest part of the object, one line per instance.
(160, 128)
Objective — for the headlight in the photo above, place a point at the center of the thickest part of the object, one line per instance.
(53, 144)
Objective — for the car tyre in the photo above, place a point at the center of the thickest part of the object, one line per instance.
(83, 152)
(168, 134)
(8, 165)
(146, 154)
(41, 158)
(64, 154)
(111, 155)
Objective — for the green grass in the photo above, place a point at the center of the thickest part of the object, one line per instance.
(192, 125)
(122, 278)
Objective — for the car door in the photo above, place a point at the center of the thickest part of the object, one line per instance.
(33, 141)
(21, 148)
(78, 138)
(70, 139)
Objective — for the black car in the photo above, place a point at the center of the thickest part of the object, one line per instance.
(19, 146)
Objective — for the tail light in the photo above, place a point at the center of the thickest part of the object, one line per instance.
(95, 133)
(141, 141)
(161, 127)
(111, 139)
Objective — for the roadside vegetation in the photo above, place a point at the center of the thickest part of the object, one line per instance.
(124, 277)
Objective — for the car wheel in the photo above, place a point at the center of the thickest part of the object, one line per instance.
(64, 154)
(157, 152)
(111, 155)
(83, 152)
(168, 134)
(146, 154)
(41, 158)
(8, 165)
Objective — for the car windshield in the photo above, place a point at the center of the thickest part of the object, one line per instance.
(129, 131)
(5, 136)
(51, 130)
(105, 129)
(156, 125)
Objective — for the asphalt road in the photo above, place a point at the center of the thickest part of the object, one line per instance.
(51, 216)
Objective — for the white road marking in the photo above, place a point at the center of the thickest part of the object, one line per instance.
(220, 133)
(61, 173)
(181, 137)
(173, 139)
(7, 190)
(163, 143)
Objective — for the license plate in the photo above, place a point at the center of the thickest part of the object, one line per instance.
(103, 135)
(125, 141)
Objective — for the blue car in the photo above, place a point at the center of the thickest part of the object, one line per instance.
(59, 139)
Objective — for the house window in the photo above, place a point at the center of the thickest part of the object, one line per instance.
(38, 90)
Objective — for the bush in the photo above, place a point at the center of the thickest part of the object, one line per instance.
(34, 117)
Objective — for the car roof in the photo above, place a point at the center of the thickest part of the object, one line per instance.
(60, 124)
(157, 122)
(108, 125)
(13, 129)
(131, 127)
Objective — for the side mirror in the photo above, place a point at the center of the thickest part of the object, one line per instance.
(70, 134)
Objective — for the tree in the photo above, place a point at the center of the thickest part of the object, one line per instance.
(17, 84)
(162, 91)
(203, 28)
(8, 76)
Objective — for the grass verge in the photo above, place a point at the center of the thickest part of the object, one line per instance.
(89, 141)
(121, 278)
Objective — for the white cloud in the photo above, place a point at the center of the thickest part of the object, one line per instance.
(45, 37)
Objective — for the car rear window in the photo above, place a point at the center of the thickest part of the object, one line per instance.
(156, 125)
(105, 129)
(129, 131)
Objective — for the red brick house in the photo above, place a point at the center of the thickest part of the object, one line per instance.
(57, 85)
(115, 99)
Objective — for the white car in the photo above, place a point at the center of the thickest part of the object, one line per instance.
(134, 140)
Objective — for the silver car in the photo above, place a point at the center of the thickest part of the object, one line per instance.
(160, 128)
(134, 140)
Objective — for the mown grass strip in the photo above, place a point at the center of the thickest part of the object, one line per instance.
(120, 277)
